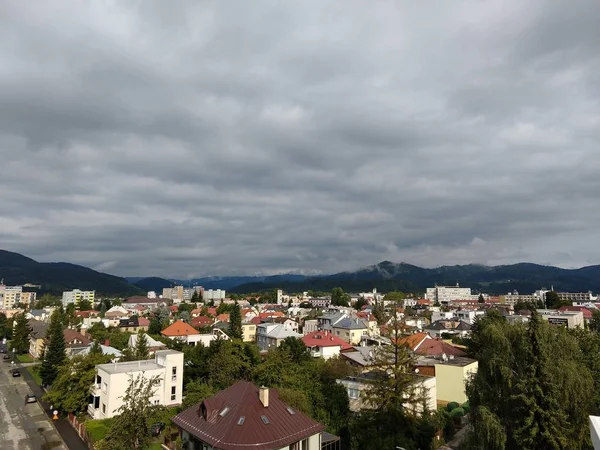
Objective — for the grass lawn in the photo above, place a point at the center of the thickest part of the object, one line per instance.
(25, 358)
(34, 371)
(97, 429)
(155, 446)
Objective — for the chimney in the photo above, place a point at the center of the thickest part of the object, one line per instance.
(263, 396)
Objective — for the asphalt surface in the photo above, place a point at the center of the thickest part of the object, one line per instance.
(22, 425)
(67, 432)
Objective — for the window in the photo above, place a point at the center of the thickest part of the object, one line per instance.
(174, 370)
(104, 387)
(174, 374)
(96, 402)
(353, 393)
(173, 392)
(156, 402)
(103, 408)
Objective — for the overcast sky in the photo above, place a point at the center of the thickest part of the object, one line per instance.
(184, 139)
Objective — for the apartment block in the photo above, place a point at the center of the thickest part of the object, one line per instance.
(14, 295)
(113, 379)
(76, 295)
(445, 294)
(213, 294)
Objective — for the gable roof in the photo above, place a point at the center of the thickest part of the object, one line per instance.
(587, 314)
(324, 339)
(217, 420)
(72, 335)
(351, 324)
(179, 328)
(414, 340)
(437, 347)
(438, 325)
(131, 322)
(201, 321)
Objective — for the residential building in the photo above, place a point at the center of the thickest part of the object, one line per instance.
(247, 417)
(309, 326)
(320, 302)
(270, 335)
(39, 314)
(356, 387)
(201, 322)
(75, 341)
(454, 326)
(150, 303)
(37, 337)
(587, 312)
(186, 333)
(322, 344)
(213, 294)
(451, 373)
(106, 350)
(248, 332)
(328, 320)
(174, 293)
(134, 324)
(117, 312)
(576, 297)
(76, 295)
(11, 296)
(153, 344)
(570, 319)
(445, 294)
(112, 380)
(351, 330)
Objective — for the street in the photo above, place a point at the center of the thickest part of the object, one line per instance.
(23, 426)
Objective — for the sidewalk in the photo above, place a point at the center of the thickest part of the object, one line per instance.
(64, 428)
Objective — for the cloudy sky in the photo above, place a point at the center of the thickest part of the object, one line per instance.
(217, 137)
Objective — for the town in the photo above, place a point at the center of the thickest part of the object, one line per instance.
(193, 368)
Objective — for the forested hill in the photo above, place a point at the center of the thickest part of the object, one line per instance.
(17, 269)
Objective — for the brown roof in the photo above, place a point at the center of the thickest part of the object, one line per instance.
(218, 420)
(179, 328)
(413, 340)
(72, 335)
(437, 347)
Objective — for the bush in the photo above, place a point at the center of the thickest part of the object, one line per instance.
(457, 412)
(98, 428)
(466, 407)
(452, 406)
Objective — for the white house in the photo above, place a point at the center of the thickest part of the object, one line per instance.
(113, 379)
(270, 335)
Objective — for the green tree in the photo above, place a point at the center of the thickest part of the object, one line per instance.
(54, 354)
(70, 315)
(480, 299)
(195, 297)
(155, 326)
(296, 349)
(141, 346)
(235, 322)
(3, 325)
(552, 300)
(71, 389)
(131, 430)
(128, 354)
(339, 297)
(196, 391)
(595, 321)
(395, 296)
(360, 303)
(21, 330)
(84, 305)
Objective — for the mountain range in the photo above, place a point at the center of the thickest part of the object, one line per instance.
(385, 276)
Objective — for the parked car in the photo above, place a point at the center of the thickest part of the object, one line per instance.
(6, 357)
(30, 398)
(157, 428)
(16, 373)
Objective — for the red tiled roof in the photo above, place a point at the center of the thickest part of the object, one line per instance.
(587, 314)
(143, 322)
(223, 317)
(201, 321)
(424, 301)
(414, 340)
(323, 339)
(179, 328)
(212, 311)
(255, 320)
(217, 421)
(72, 335)
(266, 315)
(173, 308)
(437, 347)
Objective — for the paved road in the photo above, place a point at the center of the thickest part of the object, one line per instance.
(66, 431)
(23, 426)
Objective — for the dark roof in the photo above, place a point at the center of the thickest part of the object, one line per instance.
(217, 420)
(463, 326)
(37, 328)
(436, 326)
(131, 322)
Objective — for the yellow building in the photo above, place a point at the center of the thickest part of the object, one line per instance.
(248, 332)
(14, 295)
(451, 375)
(75, 296)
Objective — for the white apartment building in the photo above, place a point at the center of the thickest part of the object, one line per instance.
(14, 295)
(113, 379)
(75, 296)
(445, 294)
(213, 294)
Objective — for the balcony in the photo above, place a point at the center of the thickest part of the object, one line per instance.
(93, 412)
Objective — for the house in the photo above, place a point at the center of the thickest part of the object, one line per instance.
(37, 337)
(438, 347)
(181, 331)
(201, 321)
(310, 325)
(289, 323)
(223, 318)
(328, 320)
(452, 326)
(75, 341)
(351, 330)
(270, 335)
(117, 312)
(112, 380)
(587, 312)
(324, 345)
(106, 350)
(414, 341)
(134, 324)
(247, 417)
(451, 373)
(153, 344)
(248, 331)
(356, 387)
(150, 303)
(38, 314)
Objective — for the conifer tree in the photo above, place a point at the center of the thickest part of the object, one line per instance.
(54, 354)
(235, 322)
(20, 340)
(141, 346)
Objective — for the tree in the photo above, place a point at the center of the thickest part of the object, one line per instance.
(131, 430)
(128, 354)
(84, 305)
(552, 300)
(480, 299)
(195, 297)
(70, 315)
(141, 346)
(196, 391)
(339, 297)
(21, 330)
(595, 321)
(296, 349)
(71, 389)
(155, 326)
(396, 297)
(235, 322)
(54, 354)
(360, 303)
(3, 325)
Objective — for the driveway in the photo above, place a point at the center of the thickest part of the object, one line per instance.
(23, 426)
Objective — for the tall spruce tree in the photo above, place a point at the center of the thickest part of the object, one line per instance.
(20, 340)
(54, 354)
(141, 346)
(235, 322)
(3, 325)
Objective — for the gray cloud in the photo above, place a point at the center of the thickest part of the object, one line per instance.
(201, 138)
